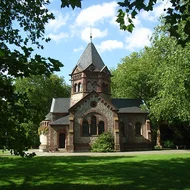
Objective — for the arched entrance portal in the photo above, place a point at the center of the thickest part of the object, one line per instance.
(62, 140)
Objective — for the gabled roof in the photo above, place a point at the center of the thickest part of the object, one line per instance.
(112, 107)
(128, 105)
(61, 121)
(60, 105)
(90, 56)
(105, 70)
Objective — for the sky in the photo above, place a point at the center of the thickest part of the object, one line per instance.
(70, 33)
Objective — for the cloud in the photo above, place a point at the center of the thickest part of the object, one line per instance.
(58, 22)
(96, 13)
(138, 39)
(96, 33)
(157, 11)
(110, 45)
(78, 49)
(58, 37)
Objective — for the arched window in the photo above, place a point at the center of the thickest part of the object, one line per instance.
(100, 127)
(93, 126)
(79, 87)
(75, 88)
(138, 128)
(122, 128)
(85, 128)
(94, 85)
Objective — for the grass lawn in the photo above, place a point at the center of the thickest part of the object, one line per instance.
(119, 172)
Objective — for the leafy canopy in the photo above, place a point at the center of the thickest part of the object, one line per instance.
(160, 75)
(22, 28)
(38, 92)
(177, 15)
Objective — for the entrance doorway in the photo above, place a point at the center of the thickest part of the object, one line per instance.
(62, 140)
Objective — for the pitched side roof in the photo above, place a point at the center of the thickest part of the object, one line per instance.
(48, 117)
(90, 56)
(60, 105)
(61, 121)
(128, 105)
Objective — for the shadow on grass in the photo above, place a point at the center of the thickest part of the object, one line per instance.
(125, 172)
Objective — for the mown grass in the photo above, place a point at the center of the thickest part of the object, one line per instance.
(113, 172)
(3, 152)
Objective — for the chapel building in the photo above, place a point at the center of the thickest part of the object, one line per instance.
(74, 123)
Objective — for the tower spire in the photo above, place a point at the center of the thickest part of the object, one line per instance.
(90, 34)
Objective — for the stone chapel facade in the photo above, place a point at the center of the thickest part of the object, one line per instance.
(74, 123)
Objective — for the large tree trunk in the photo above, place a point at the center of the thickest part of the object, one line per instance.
(158, 138)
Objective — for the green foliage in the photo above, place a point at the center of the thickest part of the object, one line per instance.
(72, 3)
(168, 144)
(104, 143)
(177, 15)
(22, 28)
(157, 147)
(31, 88)
(160, 75)
(43, 130)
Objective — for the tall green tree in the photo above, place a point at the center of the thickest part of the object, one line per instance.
(38, 92)
(160, 76)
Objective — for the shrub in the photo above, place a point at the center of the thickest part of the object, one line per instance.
(168, 144)
(104, 143)
(157, 147)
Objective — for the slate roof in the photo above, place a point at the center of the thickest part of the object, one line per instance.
(48, 117)
(60, 105)
(61, 121)
(128, 105)
(90, 56)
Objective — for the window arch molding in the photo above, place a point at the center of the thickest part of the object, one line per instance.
(97, 123)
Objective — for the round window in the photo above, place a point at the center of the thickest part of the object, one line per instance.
(93, 104)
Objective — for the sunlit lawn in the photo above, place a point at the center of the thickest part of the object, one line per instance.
(126, 172)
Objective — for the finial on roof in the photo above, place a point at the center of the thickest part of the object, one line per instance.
(90, 34)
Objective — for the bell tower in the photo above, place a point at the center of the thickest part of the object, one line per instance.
(90, 74)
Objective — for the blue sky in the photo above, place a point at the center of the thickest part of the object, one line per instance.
(70, 33)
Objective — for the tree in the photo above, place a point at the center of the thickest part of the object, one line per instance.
(160, 75)
(177, 15)
(38, 91)
(22, 27)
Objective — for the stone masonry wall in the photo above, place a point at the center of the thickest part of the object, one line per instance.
(129, 121)
(85, 109)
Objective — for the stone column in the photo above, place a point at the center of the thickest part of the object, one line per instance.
(116, 134)
(70, 146)
(149, 135)
(43, 145)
